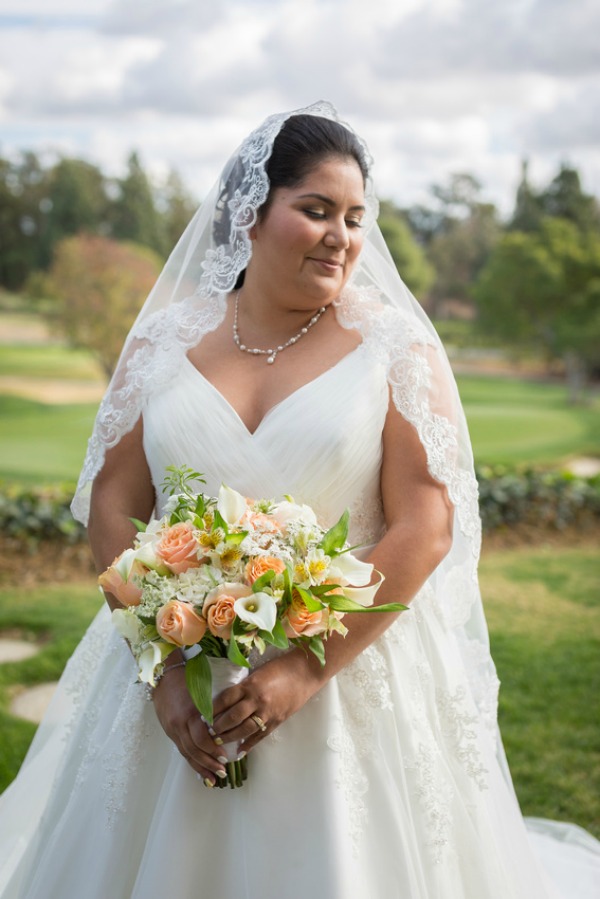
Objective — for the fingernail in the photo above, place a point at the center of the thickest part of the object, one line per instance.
(199, 776)
(217, 740)
(222, 774)
(210, 729)
(223, 759)
(241, 755)
(208, 782)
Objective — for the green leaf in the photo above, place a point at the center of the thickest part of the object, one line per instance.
(234, 654)
(277, 637)
(315, 644)
(236, 539)
(288, 583)
(263, 581)
(311, 603)
(343, 604)
(323, 589)
(219, 522)
(140, 525)
(198, 678)
(334, 539)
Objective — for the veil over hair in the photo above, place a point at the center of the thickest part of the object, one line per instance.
(188, 301)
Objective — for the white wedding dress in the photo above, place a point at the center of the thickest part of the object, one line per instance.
(386, 785)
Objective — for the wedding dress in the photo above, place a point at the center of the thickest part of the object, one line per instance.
(386, 785)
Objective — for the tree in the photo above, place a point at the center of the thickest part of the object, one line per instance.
(543, 290)
(98, 287)
(564, 198)
(176, 206)
(528, 207)
(23, 190)
(76, 202)
(459, 232)
(134, 214)
(408, 256)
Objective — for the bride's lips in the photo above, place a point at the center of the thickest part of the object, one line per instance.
(329, 265)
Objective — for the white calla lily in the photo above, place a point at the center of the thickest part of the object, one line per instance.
(364, 596)
(127, 624)
(350, 570)
(231, 504)
(148, 661)
(258, 609)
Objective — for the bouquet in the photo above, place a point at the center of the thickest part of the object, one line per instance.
(230, 576)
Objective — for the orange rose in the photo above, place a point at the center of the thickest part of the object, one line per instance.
(257, 566)
(177, 623)
(178, 547)
(299, 621)
(127, 592)
(218, 608)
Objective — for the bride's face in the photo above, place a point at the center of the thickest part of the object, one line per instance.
(306, 244)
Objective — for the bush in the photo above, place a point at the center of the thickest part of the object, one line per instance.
(546, 499)
(39, 513)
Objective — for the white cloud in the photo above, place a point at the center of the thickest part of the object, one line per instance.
(436, 86)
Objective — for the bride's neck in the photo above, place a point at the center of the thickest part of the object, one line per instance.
(266, 316)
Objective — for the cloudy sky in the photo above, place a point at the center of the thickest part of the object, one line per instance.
(435, 86)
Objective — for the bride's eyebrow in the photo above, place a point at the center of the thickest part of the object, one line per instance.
(328, 201)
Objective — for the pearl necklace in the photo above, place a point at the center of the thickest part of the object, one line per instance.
(271, 354)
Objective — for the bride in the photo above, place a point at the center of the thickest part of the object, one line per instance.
(280, 353)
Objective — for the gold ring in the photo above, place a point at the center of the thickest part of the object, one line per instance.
(259, 722)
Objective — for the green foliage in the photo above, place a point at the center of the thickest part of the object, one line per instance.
(545, 499)
(133, 215)
(38, 513)
(542, 289)
(408, 256)
(99, 286)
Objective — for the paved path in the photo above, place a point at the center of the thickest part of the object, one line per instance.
(29, 703)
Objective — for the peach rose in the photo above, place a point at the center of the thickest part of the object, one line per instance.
(299, 621)
(218, 608)
(259, 565)
(127, 592)
(178, 547)
(177, 623)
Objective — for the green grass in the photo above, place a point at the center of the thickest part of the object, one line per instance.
(511, 421)
(543, 609)
(47, 361)
(543, 606)
(40, 443)
(519, 421)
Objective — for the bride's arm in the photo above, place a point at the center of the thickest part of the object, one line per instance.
(419, 517)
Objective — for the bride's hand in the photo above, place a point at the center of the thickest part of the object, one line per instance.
(251, 710)
(181, 721)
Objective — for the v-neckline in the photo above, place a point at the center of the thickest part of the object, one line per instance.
(279, 403)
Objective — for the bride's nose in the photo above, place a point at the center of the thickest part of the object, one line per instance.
(337, 235)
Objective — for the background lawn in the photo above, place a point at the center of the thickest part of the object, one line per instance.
(542, 606)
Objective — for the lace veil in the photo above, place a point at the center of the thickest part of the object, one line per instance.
(188, 301)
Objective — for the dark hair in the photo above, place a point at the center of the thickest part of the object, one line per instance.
(304, 142)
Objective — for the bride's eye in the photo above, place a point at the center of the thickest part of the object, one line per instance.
(354, 223)
(315, 213)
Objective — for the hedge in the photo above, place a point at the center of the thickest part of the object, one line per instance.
(507, 497)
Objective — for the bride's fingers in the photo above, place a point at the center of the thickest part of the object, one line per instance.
(241, 725)
(203, 762)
